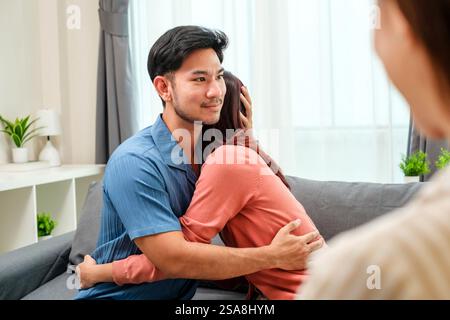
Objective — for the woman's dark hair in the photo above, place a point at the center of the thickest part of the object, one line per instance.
(230, 119)
(173, 47)
(430, 21)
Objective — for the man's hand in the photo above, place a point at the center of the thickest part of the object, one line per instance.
(291, 251)
(86, 272)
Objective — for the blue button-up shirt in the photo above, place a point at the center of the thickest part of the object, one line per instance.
(144, 193)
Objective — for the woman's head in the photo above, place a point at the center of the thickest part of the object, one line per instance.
(230, 119)
(414, 45)
(232, 105)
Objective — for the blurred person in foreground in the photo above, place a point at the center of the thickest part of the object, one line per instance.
(405, 254)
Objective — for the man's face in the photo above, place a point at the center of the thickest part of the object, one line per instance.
(198, 88)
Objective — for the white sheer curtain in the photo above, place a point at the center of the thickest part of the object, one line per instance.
(323, 105)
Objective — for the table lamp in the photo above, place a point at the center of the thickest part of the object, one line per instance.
(51, 126)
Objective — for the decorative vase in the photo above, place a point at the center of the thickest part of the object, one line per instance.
(412, 179)
(20, 155)
(44, 237)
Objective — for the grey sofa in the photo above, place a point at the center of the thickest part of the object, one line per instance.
(46, 270)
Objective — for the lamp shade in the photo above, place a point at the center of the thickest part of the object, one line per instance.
(49, 120)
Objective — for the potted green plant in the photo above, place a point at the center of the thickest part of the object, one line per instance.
(20, 132)
(45, 225)
(414, 166)
(443, 159)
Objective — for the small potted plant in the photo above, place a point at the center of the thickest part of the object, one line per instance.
(444, 159)
(414, 166)
(45, 225)
(20, 132)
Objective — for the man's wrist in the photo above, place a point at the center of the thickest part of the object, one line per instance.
(270, 257)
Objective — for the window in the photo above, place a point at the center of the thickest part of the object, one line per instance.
(324, 108)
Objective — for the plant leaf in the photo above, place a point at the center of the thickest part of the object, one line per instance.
(45, 224)
(31, 132)
(29, 138)
(23, 122)
(31, 123)
(415, 165)
(7, 132)
(443, 159)
(17, 140)
(18, 130)
(6, 123)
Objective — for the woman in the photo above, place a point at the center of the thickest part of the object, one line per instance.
(406, 254)
(240, 193)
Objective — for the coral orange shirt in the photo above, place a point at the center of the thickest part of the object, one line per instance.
(238, 195)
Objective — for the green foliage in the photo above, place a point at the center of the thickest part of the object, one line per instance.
(415, 165)
(444, 159)
(45, 224)
(19, 130)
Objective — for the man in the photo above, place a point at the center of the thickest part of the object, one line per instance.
(145, 192)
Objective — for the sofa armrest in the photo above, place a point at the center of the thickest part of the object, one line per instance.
(26, 269)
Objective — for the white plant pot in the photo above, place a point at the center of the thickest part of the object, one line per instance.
(20, 155)
(412, 179)
(45, 238)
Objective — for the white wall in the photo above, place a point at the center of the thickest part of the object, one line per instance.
(44, 64)
(20, 76)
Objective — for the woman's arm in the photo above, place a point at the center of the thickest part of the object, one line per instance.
(221, 192)
(90, 273)
(134, 269)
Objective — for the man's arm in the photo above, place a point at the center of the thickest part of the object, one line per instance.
(178, 258)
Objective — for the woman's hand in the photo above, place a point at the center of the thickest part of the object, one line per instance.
(247, 102)
(89, 272)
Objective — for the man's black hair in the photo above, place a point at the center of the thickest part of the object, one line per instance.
(174, 46)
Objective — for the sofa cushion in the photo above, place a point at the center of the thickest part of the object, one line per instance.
(215, 294)
(60, 288)
(339, 206)
(88, 228)
(25, 269)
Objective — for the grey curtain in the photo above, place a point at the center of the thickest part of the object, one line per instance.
(116, 107)
(416, 142)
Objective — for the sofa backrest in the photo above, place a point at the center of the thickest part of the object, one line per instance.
(86, 235)
(339, 206)
(333, 206)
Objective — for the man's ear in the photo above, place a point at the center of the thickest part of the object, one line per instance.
(162, 86)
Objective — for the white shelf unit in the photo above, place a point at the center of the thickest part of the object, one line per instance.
(60, 191)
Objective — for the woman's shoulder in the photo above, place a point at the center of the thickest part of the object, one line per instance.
(231, 164)
(229, 154)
